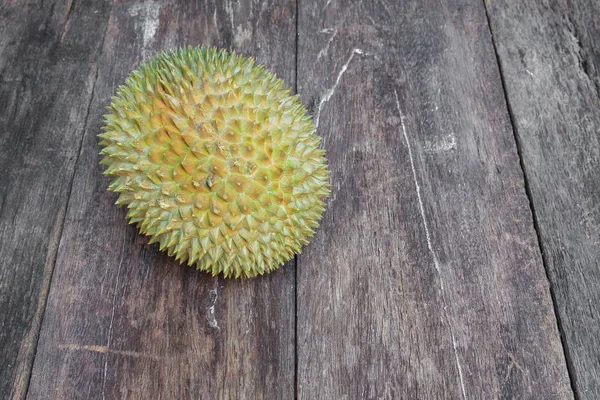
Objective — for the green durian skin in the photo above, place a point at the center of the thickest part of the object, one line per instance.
(215, 161)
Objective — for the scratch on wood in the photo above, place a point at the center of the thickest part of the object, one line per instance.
(458, 365)
(263, 8)
(106, 350)
(168, 337)
(112, 317)
(513, 364)
(168, 355)
(436, 261)
(386, 8)
(325, 49)
(330, 92)
(67, 20)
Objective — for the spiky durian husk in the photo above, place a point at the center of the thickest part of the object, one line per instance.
(215, 161)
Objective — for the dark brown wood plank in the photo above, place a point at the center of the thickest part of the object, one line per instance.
(550, 58)
(48, 54)
(125, 321)
(426, 279)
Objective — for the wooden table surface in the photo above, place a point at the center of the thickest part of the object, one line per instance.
(459, 256)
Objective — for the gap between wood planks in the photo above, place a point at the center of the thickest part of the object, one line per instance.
(565, 347)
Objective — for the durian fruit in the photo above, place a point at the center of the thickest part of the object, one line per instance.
(215, 161)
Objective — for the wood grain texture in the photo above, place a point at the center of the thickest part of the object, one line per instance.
(550, 58)
(125, 321)
(48, 54)
(426, 279)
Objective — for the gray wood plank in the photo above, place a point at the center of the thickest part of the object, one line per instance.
(426, 279)
(550, 58)
(125, 321)
(48, 55)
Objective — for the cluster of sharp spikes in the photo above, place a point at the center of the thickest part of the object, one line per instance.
(215, 161)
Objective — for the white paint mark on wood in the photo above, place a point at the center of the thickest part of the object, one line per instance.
(229, 11)
(330, 92)
(151, 24)
(149, 12)
(210, 315)
(242, 36)
(106, 350)
(446, 143)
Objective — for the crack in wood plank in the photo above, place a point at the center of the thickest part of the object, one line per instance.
(585, 65)
(67, 23)
(107, 350)
(325, 49)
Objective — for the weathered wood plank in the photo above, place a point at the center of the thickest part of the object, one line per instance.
(125, 321)
(426, 280)
(48, 53)
(550, 58)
